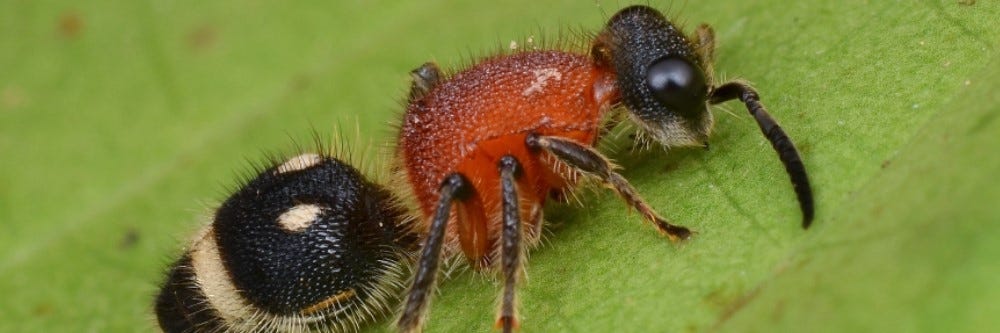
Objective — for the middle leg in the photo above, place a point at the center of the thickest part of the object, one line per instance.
(511, 244)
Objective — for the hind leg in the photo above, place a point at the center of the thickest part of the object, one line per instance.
(454, 188)
(425, 78)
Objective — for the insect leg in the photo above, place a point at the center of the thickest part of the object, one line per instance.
(511, 248)
(589, 161)
(425, 78)
(704, 42)
(779, 141)
(454, 187)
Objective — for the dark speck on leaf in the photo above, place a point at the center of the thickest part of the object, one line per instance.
(42, 310)
(202, 38)
(12, 97)
(670, 166)
(299, 82)
(129, 239)
(70, 25)
(805, 147)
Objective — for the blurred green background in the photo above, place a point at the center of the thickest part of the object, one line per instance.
(121, 122)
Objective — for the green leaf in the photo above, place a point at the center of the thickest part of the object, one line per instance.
(121, 122)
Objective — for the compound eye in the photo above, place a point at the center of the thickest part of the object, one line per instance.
(678, 85)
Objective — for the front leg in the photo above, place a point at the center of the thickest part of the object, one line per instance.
(704, 46)
(590, 162)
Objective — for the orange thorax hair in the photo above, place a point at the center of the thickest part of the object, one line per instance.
(468, 121)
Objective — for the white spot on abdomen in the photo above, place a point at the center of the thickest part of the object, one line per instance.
(300, 162)
(214, 280)
(299, 217)
(542, 77)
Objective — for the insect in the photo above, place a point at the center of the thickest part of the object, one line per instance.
(308, 244)
(480, 151)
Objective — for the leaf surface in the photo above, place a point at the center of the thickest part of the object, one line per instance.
(122, 122)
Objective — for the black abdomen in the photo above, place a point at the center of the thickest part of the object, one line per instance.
(308, 244)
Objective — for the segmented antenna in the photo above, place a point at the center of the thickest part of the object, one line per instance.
(779, 141)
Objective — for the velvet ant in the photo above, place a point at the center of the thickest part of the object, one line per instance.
(312, 244)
